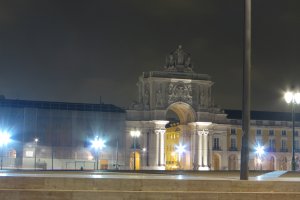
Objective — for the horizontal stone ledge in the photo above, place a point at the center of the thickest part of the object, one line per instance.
(118, 191)
(132, 195)
(80, 184)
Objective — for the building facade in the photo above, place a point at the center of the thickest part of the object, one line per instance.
(64, 132)
(209, 138)
(172, 125)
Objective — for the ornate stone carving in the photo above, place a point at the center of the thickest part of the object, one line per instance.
(179, 61)
(204, 96)
(146, 95)
(159, 97)
(180, 92)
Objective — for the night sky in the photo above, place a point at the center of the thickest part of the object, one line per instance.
(77, 51)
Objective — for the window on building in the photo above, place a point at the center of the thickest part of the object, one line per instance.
(233, 143)
(283, 146)
(283, 133)
(258, 132)
(233, 131)
(271, 132)
(216, 144)
(272, 145)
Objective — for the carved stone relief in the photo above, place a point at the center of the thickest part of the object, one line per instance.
(179, 60)
(146, 95)
(180, 92)
(204, 96)
(159, 97)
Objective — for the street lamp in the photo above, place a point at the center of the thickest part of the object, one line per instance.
(4, 140)
(35, 141)
(293, 98)
(134, 134)
(98, 144)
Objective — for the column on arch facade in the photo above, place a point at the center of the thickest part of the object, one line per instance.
(160, 142)
(203, 146)
(200, 145)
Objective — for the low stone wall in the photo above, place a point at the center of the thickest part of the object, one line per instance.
(53, 188)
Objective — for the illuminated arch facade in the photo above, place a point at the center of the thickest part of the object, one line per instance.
(178, 90)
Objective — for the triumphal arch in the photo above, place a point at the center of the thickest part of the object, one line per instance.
(175, 118)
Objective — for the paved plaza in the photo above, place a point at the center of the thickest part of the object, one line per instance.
(176, 175)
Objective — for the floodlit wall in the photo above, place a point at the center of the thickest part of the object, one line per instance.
(64, 137)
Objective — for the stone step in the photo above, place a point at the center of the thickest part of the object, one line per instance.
(115, 184)
(30, 194)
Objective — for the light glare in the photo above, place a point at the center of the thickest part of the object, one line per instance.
(260, 150)
(98, 143)
(180, 148)
(4, 138)
(288, 96)
(297, 97)
(259, 161)
(291, 97)
(135, 133)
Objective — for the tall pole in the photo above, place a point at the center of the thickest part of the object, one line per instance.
(97, 156)
(293, 137)
(117, 155)
(52, 158)
(35, 156)
(36, 143)
(244, 173)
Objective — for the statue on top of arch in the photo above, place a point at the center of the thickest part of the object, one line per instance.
(179, 61)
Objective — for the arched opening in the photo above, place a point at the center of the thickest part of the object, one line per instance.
(181, 112)
(270, 164)
(283, 163)
(216, 161)
(177, 136)
(232, 162)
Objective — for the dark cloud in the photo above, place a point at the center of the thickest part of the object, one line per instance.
(78, 51)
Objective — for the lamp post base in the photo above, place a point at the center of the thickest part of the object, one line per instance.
(293, 165)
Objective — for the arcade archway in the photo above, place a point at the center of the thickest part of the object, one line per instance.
(177, 137)
(182, 112)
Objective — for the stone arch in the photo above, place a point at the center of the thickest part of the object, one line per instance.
(283, 163)
(216, 161)
(270, 163)
(232, 162)
(183, 111)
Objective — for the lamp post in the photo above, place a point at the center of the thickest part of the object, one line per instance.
(134, 134)
(293, 98)
(98, 144)
(246, 104)
(4, 140)
(35, 141)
